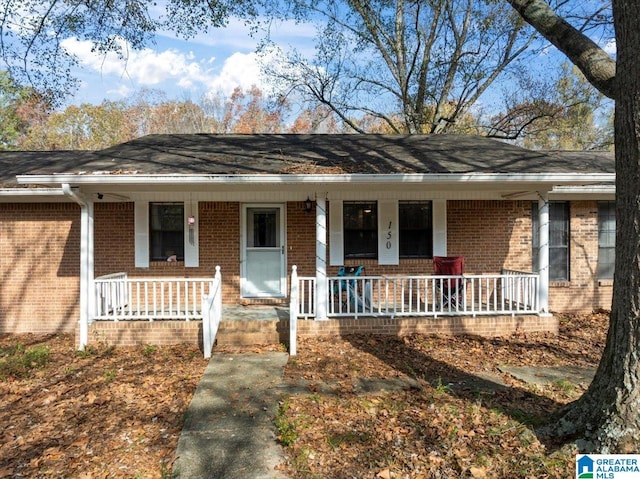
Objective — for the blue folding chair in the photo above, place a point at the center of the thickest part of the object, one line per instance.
(346, 290)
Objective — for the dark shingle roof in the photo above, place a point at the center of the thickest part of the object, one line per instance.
(210, 154)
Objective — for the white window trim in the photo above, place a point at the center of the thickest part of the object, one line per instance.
(191, 235)
(336, 233)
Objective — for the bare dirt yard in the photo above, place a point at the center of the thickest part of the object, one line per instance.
(118, 412)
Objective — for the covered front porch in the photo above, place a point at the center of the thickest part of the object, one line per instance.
(190, 309)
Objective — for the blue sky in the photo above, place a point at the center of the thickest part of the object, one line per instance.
(211, 63)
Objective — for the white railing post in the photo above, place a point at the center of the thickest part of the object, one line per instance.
(294, 306)
(217, 302)
(211, 313)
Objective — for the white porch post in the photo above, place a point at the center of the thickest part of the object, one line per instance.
(543, 252)
(87, 296)
(321, 257)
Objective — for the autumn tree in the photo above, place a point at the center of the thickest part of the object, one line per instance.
(319, 119)
(416, 66)
(20, 108)
(83, 127)
(559, 114)
(606, 417)
(169, 116)
(246, 112)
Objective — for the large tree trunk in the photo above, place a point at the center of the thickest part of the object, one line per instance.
(606, 418)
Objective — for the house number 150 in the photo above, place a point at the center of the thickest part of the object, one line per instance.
(389, 236)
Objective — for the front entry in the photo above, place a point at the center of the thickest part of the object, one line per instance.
(263, 271)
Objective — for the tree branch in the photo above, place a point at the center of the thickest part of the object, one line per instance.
(596, 65)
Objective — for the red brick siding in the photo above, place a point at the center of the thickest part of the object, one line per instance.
(39, 267)
(219, 225)
(133, 333)
(583, 292)
(487, 326)
(301, 239)
(40, 253)
(491, 235)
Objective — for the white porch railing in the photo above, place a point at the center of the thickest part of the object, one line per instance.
(119, 297)
(467, 295)
(511, 292)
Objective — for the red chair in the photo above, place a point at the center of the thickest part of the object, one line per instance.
(449, 291)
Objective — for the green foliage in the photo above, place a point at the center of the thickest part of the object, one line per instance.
(18, 362)
(149, 349)
(285, 428)
(34, 33)
(110, 374)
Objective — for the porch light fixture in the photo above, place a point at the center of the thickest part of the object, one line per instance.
(100, 196)
(308, 205)
(191, 220)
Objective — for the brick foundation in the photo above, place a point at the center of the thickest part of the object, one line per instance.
(487, 326)
(131, 333)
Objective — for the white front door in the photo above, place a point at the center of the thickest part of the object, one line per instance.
(263, 251)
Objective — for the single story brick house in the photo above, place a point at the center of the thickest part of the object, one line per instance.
(122, 244)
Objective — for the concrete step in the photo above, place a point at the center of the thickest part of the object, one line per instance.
(246, 333)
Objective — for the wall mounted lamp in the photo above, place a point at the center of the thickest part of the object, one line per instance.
(308, 205)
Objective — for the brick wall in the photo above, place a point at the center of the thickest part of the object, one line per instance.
(583, 292)
(133, 333)
(219, 225)
(494, 234)
(40, 253)
(39, 267)
(487, 326)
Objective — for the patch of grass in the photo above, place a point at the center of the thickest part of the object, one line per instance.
(565, 387)
(149, 349)
(441, 388)
(286, 428)
(87, 352)
(18, 362)
(110, 374)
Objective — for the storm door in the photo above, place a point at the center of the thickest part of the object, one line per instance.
(263, 265)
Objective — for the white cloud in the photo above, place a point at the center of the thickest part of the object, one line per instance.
(145, 67)
(239, 70)
(169, 70)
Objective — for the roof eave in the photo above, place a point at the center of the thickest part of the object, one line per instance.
(377, 179)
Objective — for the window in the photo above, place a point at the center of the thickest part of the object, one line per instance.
(558, 240)
(166, 231)
(606, 239)
(416, 229)
(360, 229)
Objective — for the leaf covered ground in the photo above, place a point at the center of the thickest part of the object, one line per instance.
(465, 418)
(118, 412)
(106, 412)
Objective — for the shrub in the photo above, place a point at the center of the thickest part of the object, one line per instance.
(18, 362)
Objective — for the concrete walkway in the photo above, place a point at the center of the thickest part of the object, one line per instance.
(228, 431)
